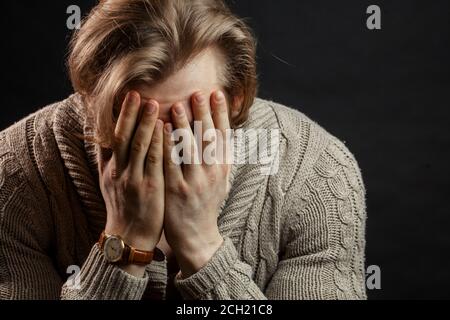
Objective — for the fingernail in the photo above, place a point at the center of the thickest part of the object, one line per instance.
(150, 107)
(220, 96)
(168, 128)
(199, 98)
(159, 124)
(179, 110)
(133, 96)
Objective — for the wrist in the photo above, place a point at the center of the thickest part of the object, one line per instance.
(141, 242)
(122, 253)
(196, 253)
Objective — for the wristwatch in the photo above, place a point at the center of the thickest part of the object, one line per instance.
(116, 251)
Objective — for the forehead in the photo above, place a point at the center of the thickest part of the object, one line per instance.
(202, 73)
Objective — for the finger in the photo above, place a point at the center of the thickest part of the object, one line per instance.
(202, 111)
(221, 121)
(154, 164)
(181, 123)
(219, 110)
(202, 116)
(142, 138)
(123, 132)
(172, 170)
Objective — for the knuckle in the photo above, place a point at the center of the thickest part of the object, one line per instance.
(183, 190)
(157, 144)
(212, 177)
(171, 188)
(147, 119)
(113, 174)
(222, 109)
(198, 189)
(128, 110)
(137, 147)
(153, 159)
(157, 139)
(125, 111)
(179, 188)
(199, 186)
(151, 185)
(119, 139)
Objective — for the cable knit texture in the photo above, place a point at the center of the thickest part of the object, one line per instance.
(296, 234)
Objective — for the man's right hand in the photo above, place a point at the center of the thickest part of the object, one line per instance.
(131, 181)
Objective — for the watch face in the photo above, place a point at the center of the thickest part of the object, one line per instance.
(113, 249)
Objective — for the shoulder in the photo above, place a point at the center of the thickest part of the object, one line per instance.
(317, 175)
(29, 140)
(32, 141)
(29, 153)
(24, 203)
(305, 146)
(17, 137)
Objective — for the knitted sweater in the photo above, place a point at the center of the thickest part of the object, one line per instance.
(297, 234)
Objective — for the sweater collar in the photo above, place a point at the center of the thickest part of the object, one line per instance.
(79, 157)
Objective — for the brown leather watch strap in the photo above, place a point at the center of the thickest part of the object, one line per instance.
(139, 257)
(130, 254)
(101, 240)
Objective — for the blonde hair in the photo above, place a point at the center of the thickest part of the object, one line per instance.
(123, 43)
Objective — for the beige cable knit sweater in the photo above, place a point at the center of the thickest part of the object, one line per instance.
(299, 234)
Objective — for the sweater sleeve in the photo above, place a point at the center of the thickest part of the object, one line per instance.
(100, 280)
(27, 270)
(323, 251)
(324, 245)
(225, 277)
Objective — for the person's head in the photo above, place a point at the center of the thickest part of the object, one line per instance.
(166, 50)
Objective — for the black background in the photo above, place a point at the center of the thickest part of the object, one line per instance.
(384, 92)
